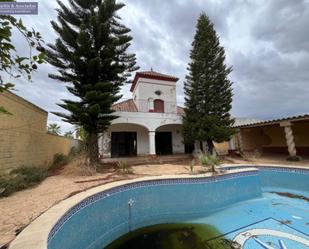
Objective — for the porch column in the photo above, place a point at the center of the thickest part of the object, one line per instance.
(152, 143)
(289, 138)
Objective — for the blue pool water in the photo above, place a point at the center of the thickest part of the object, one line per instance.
(265, 208)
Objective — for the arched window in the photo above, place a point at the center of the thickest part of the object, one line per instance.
(150, 104)
(158, 105)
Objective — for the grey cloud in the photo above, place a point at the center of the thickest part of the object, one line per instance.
(284, 23)
(265, 41)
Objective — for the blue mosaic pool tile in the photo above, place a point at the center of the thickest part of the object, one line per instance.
(102, 195)
(99, 196)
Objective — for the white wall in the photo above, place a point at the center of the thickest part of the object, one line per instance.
(142, 138)
(137, 122)
(150, 120)
(146, 88)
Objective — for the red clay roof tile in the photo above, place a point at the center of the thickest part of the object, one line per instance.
(125, 106)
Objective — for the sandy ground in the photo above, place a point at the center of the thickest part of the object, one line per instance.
(19, 209)
(270, 159)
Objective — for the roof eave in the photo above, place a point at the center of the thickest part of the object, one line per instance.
(153, 77)
(275, 121)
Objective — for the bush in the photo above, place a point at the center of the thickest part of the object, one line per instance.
(210, 161)
(191, 166)
(21, 178)
(59, 161)
(30, 174)
(75, 151)
(124, 167)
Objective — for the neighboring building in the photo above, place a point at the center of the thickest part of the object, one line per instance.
(288, 136)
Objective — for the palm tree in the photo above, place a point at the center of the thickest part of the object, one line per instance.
(69, 134)
(81, 133)
(54, 129)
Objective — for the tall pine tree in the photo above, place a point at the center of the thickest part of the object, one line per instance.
(208, 91)
(91, 55)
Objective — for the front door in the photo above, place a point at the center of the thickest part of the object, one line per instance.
(123, 144)
(164, 143)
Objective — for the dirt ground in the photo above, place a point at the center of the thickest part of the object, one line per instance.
(19, 209)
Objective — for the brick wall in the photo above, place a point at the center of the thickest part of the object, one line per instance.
(23, 137)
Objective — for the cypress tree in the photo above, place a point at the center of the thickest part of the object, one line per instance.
(91, 55)
(208, 91)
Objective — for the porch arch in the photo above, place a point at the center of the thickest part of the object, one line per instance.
(169, 135)
(129, 137)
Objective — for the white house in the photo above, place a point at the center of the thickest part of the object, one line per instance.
(149, 123)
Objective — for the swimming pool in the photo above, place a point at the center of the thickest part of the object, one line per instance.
(264, 207)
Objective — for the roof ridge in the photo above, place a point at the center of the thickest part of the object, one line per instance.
(158, 73)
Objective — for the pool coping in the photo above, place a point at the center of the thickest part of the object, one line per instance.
(268, 165)
(36, 234)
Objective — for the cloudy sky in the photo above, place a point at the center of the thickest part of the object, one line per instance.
(266, 42)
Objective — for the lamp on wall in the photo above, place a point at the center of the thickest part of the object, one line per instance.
(158, 92)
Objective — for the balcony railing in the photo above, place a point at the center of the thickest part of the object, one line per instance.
(169, 107)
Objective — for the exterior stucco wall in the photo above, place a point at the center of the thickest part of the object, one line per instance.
(142, 123)
(271, 138)
(23, 137)
(222, 148)
(149, 120)
(301, 134)
(257, 138)
(276, 135)
(142, 138)
(146, 88)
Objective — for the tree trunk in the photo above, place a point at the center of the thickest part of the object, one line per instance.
(93, 149)
(211, 147)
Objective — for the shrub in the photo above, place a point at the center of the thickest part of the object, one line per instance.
(75, 151)
(21, 178)
(210, 161)
(191, 166)
(124, 167)
(59, 161)
(30, 174)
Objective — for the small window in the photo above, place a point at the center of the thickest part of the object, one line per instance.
(158, 106)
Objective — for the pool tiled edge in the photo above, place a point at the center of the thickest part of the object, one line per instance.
(140, 184)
